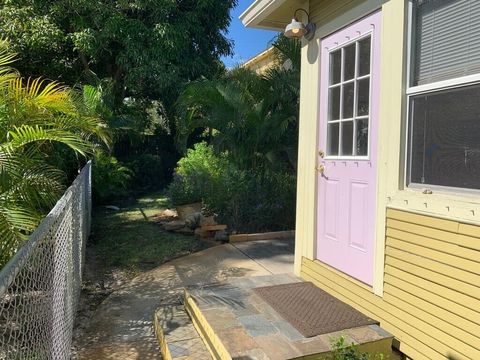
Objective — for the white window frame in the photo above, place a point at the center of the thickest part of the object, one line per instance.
(354, 80)
(429, 88)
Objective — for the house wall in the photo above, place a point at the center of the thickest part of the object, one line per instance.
(427, 261)
(431, 299)
(262, 62)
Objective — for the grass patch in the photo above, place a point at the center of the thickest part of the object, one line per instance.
(131, 240)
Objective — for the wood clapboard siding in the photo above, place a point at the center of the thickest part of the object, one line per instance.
(322, 11)
(431, 300)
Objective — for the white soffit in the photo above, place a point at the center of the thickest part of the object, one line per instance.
(258, 14)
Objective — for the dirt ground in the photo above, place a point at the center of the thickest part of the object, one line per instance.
(124, 244)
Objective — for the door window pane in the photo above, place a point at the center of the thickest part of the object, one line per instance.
(361, 138)
(332, 141)
(364, 57)
(349, 62)
(363, 97)
(445, 138)
(347, 138)
(348, 98)
(334, 111)
(335, 67)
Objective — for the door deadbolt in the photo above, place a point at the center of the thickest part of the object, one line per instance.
(320, 169)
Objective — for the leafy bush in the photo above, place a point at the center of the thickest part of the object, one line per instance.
(342, 351)
(109, 177)
(149, 172)
(244, 200)
(251, 201)
(196, 175)
(181, 191)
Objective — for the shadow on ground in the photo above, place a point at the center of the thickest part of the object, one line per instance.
(122, 325)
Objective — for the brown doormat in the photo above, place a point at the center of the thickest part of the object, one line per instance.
(311, 310)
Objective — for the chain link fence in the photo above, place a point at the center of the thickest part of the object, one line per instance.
(40, 286)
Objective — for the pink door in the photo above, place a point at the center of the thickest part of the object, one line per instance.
(347, 158)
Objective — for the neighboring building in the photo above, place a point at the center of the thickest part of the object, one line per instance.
(261, 62)
(388, 202)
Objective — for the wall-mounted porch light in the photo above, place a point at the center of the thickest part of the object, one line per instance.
(297, 29)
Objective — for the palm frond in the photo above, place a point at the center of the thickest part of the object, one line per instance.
(21, 136)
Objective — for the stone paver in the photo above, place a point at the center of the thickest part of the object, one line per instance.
(276, 347)
(257, 325)
(316, 345)
(277, 256)
(236, 340)
(287, 330)
(220, 319)
(263, 333)
(122, 327)
(191, 348)
(176, 331)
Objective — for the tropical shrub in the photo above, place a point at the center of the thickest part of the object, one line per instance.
(196, 175)
(181, 191)
(246, 124)
(36, 118)
(110, 178)
(253, 118)
(250, 201)
(246, 200)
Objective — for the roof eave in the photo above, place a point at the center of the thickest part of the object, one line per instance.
(256, 15)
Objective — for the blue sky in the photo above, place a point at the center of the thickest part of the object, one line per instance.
(248, 42)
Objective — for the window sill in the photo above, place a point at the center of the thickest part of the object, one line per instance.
(459, 207)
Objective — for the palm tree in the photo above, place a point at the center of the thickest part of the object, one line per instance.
(252, 118)
(35, 115)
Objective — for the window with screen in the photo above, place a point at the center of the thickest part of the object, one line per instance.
(444, 116)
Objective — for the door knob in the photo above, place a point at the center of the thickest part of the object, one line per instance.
(320, 168)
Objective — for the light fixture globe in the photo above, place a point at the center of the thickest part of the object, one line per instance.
(295, 29)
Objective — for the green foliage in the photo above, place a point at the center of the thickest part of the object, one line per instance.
(110, 178)
(246, 200)
(182, 192)
(37, 118)
(147, 47)
(253, 118)
(252, 202)
(148, 172)
(343, 351)
(129, 239)
(196, 175)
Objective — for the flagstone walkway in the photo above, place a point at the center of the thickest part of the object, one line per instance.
(122, 326)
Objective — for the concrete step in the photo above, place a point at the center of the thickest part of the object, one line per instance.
(235, 323)
(177, 336)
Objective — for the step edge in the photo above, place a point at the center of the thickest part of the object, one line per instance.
(206, 332)
(161, 339)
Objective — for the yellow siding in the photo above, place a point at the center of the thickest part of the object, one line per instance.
(427, 267)
(262, 62)
(431, 302)
(322, 11)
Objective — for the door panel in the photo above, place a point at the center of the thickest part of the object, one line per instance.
(331, 218)
(349, 88)
(357, 227)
